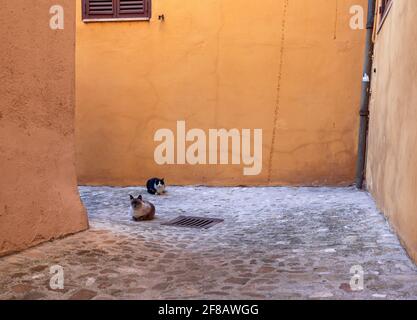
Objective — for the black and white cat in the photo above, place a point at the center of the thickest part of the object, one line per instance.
(156, 186)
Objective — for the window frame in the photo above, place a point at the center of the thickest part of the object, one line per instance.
(116, 16)
(383, 11)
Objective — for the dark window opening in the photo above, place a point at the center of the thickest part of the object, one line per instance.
(385, 5)
(384, 8)
(113, 10)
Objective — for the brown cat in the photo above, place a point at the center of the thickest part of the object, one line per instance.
(141, 210)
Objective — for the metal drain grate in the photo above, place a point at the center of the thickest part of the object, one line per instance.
(193, 222)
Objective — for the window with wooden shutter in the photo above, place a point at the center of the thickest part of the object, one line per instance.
(113, 10)
(384, 9)
(385, 6)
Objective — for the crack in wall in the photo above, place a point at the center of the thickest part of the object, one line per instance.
(336, 20)
(217, 65)
(278, 98)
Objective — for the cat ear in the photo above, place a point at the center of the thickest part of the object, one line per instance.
(131, 197)
(140, 197)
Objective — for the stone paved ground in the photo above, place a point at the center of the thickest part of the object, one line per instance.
(275, 243)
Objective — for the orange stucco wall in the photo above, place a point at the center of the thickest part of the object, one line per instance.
(39, 199)
(291, 68)
(392, 153)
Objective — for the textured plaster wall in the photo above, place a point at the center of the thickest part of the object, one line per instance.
(38, 191)
(392, 153)
(291, 68)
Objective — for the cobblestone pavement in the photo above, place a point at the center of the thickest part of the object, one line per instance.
(275, 243)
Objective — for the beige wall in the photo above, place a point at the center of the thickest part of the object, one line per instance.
(221, 64)
(38, 193)
(392, 153)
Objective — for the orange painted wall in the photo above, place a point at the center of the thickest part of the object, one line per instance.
(392, 152)
(290, 65)
(39, 199)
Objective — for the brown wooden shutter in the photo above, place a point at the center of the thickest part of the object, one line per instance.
(96, 9)
(114, 9)
(133, 8)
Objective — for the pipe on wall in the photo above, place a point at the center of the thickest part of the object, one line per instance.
(365, 95)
